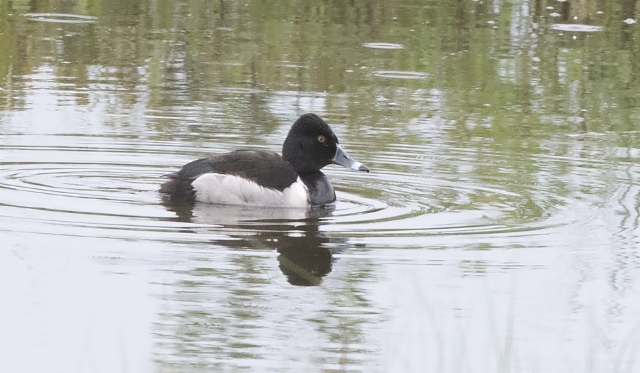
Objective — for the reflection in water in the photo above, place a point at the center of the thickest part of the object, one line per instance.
(504, 148)
(302, 263)
(305, 252)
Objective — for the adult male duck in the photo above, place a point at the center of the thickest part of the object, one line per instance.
(264, 178)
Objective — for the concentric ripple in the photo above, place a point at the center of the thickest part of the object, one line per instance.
(73, 190)
(427, 199)
(109, 189)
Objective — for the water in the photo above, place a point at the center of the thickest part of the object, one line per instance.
(497, 230)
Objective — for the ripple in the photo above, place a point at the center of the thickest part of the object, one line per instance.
(414, 198)
(570, 27)
(107, 187)
(390, 46)
(60, 18)
(76, 190)
(413, 218)
(392, 74)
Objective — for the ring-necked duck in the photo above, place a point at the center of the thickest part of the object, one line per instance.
(264, 178)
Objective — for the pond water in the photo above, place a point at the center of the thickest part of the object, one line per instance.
(498, 229)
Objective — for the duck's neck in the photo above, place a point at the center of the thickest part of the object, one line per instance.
(320, 189)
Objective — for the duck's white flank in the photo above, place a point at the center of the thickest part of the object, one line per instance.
(234, 190)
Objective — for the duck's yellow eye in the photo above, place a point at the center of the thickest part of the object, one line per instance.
(322, 139)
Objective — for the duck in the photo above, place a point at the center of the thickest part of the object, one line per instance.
(266, 178)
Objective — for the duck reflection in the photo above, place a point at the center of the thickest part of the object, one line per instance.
(306, 254)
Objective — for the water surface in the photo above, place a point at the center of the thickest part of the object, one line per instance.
(497, 230)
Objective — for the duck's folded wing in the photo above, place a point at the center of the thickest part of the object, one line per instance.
(267, 169)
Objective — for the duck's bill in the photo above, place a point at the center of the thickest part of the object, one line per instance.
(342, 158)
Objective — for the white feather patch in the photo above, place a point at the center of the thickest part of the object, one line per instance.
(234, 190)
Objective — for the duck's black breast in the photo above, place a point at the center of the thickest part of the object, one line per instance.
(265, 168)
(321, 191)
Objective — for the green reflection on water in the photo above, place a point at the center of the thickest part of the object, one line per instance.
(488, 84)
(497, 68)
(492, 88)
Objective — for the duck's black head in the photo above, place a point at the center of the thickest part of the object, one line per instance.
(311, 145)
